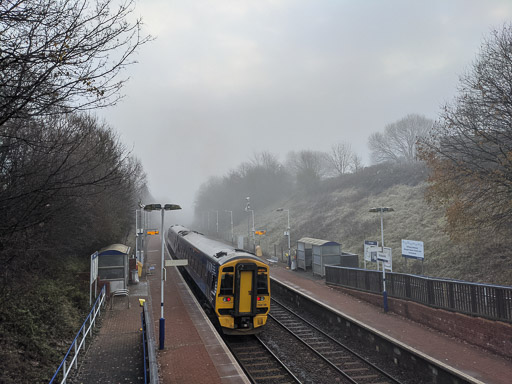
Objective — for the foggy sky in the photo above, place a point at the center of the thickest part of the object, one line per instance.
(225, 79)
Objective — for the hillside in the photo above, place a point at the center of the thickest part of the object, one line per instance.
(339, 211)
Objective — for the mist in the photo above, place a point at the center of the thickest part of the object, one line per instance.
(225, 80)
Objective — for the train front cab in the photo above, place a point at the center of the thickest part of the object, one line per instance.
(243, 299)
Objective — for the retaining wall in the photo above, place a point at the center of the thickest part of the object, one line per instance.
(492, 335)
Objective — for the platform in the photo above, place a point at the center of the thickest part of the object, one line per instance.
(481, 365)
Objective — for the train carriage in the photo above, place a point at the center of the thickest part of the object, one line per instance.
(234, 282)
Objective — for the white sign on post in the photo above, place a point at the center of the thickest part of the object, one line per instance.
(386, 256)
(367, 246)
(413, 249)
(373, 250)
(383, 256)
(176, 263)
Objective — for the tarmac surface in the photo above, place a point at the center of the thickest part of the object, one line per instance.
(194, 354)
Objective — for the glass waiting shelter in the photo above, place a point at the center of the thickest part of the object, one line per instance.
(113, 266)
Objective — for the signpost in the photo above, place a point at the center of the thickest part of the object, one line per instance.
(412, 249)
(176, 263)
(386, 256)
(367, 254)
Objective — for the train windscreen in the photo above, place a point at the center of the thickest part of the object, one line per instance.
(226, 284)
(262, 284)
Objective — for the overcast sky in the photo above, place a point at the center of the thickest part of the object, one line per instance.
(227, 78)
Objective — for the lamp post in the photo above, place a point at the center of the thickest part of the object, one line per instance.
(384, 292)
(253, 239)
(217, 224)
(137, 233)
(287, 234)
(232, 234)
(158, 207)
(248, 209)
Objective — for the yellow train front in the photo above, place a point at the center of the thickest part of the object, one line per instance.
(235, 283)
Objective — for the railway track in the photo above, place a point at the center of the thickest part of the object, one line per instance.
(258, 362)
(352, 367)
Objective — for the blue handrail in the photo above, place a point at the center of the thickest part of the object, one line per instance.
(91, 317)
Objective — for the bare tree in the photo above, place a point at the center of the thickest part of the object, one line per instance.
(308, 167)
(357, 163)
(58, 165)
(63, 55)
(263, 178)
(470, 149)
(398, 142)
(340, 158)
(265, 160)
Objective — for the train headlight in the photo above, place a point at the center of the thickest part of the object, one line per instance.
(261, 298)
(226, 299)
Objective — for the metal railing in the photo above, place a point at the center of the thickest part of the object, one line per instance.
(490, 301)
(148, 348)
(79, 340)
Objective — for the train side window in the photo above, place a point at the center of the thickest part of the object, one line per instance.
(226, 285)
(261, 284)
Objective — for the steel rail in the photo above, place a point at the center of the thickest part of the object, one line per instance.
(350, 351)
(254, 342)
(277, 359)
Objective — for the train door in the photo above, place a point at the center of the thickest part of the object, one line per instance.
(245, 285)
(245, 292)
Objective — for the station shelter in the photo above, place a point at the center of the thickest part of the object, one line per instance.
(113, 266)
(317, 253)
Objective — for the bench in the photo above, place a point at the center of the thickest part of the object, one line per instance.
(119, 292)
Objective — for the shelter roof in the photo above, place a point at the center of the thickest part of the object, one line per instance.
(115, 249)
(312, 241)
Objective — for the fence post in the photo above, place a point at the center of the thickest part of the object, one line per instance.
(451, 295)
(407, 282)
(430, 292)
(472, 296)
(500, 304)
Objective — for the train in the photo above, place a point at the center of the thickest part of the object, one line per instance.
(235, 283)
